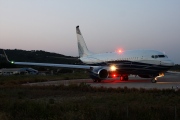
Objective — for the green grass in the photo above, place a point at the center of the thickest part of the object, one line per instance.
(83, 102)
(20, 79)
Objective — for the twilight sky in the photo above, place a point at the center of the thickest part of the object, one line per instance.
(106, 25)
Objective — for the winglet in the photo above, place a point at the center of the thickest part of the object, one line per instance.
(7, 57)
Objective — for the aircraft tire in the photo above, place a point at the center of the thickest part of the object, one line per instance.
(99, 80)
(153, 80)
(121, 78)
(95, 80)
(126, 78)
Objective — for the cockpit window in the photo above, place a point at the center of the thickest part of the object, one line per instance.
(156, 56)
(161, 56)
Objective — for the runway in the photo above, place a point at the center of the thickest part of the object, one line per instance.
(169, 81)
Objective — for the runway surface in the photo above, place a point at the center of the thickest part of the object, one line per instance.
(169, 81)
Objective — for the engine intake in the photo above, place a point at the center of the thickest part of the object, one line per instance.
(99, 73)
(103, 73)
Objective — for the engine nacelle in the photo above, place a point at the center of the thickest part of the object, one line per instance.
(103, 73)
(99, 73)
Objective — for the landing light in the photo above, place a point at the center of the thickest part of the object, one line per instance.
(12, 62)
(160, 75)
(113, 68)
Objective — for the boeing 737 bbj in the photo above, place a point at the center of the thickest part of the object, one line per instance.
(144, 63)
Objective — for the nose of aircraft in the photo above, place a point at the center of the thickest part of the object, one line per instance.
(168, 62)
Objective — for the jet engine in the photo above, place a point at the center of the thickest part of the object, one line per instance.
(99, 73)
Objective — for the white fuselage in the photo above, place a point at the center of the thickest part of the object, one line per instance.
(137, 62)
(140, 56)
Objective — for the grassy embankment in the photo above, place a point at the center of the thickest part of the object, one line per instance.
(83, 102)
(20, 79)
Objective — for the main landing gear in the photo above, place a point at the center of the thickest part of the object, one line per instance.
(124, 78)
(96, 80)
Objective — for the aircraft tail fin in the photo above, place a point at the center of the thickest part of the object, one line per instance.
(82, 48)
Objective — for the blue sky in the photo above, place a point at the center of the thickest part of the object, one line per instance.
(105, 24)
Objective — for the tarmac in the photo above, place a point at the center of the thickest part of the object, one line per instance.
(171, 80)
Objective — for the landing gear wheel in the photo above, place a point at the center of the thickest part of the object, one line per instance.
(126, 78)
(95, 80)
(122, 78)
(153, 80)
(99, 80)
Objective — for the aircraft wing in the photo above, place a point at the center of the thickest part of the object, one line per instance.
(49, 64)
(52, 65)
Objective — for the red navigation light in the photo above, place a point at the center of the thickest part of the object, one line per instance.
(119, 50)
(114, 75)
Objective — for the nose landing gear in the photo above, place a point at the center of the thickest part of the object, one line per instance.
(154, 79)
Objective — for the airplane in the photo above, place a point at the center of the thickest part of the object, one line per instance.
(143, 63)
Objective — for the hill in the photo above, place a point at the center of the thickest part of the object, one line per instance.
(176, 68)
(36, 56)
